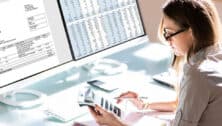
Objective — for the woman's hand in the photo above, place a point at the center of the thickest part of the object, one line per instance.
(133, 97)
(103, 117)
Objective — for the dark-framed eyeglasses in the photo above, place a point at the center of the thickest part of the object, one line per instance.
(167, 36)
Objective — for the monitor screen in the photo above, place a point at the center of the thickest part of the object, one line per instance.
(32, 39)
(97, 25)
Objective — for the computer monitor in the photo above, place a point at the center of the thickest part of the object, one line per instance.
(32, 40)
(37, 36)
(97, 28)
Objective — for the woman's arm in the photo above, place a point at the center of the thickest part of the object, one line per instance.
(140, 104)
(162, 106)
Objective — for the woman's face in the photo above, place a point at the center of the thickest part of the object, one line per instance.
(179, 39)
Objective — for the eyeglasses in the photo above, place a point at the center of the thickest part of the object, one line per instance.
(167, 36)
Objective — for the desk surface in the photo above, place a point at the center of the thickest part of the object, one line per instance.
(143, 61)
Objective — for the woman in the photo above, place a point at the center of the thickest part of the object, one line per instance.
(192, 28)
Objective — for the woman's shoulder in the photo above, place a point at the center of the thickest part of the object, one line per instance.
(208, 60)
(202, 77)
(207, 71)
(212, 62)
(207, 66)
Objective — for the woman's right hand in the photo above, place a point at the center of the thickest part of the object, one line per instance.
(132, 97)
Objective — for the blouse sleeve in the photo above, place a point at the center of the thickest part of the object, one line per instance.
(193, 99)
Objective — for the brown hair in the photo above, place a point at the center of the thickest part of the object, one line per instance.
(199, 15)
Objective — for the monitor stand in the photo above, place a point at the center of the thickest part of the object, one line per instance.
(12, 98)
(106, 67)
(73, 74)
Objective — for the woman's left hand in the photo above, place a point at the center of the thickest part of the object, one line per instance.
(103, 117)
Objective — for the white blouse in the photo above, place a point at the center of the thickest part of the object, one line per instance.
(200, 97)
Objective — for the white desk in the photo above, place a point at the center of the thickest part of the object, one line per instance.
(143, 61)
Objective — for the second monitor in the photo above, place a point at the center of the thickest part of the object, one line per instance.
(100, 27)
